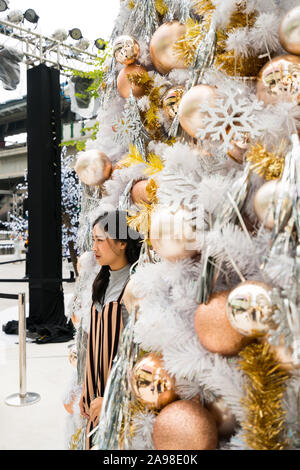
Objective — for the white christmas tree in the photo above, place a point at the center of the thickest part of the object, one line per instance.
(201, 100)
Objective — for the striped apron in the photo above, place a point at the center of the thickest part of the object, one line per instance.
(105, 330)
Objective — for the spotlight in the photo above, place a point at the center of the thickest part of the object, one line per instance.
(83, 44)
(100, 44)
(3, 5)
(75, 34)
(31, 16)
(60, 35)
(15, 16)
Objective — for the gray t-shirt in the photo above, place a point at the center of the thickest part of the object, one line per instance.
(117, 281)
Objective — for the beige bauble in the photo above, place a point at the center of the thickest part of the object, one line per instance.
(172, 234)
(289, 31)
(151, 384)
(139, 193)
(214, 330)
(279, 80)
(266, 200)
(126, 49)
(283, 355)
(185, 425)
(225, 419)
(124, 85)
(190, 117)
(93, 167)
(249, 308)
(162, 44)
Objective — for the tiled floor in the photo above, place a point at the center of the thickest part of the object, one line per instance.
(39, 426)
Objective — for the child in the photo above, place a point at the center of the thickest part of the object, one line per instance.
(116, 248)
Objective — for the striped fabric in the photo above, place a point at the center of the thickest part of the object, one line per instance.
(105, 330)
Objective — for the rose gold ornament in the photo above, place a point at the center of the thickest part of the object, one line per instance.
(130, 300)
(126, 50)
(185, 425)
(266, 200)
(249, 308)
(139, 193)
(93, 167)
(225, 419)
(69, 406)
(124, 85)
(171, 100)
(173, 235)
(279, 80)
(214, 330)
(151, 384)
(289, 31)
(190, 117)
(161, 47)
(238, 149)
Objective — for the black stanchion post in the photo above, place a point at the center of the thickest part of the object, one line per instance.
(46, 303)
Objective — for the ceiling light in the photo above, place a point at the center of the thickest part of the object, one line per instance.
(83, 44)
(3, 5)
(75, 34)
(100, 44)
(15, 16)
(60, 34)
(31, 16)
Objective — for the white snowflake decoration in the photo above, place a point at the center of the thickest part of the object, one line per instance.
(233, 117)
(129, 127)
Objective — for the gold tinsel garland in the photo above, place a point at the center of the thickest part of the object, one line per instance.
(265, 387)
(161, 7)
(267, 164)
(134, 409)
(225, 60)
(131, 4)
(134, 157)
(149, 117)
(74, 441)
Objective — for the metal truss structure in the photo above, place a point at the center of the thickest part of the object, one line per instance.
(39, 49)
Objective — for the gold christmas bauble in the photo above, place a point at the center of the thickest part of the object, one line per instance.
(279, 80)
(214, 330)
(190, 117)
(225, 419)
(162, 43)
(185, 425)
(266, 200)
(139, 193)
(249, 308)
(171, 100)
(289, 31)
(151, 384)
(126, 50)
(93, 167)
(172, 235)
(123, 84)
